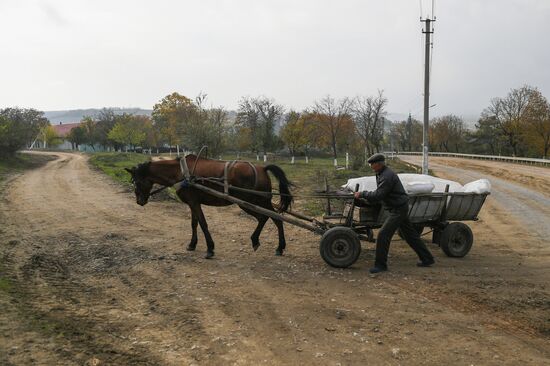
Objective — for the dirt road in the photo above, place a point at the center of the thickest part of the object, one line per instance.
(89, 277)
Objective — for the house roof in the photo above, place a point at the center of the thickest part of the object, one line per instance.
(63, 129)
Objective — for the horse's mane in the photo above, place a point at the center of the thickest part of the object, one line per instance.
(142, 169)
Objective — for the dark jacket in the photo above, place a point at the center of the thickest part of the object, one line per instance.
(389, 190)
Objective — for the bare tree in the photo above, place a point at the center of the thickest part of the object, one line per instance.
(368, 116)
(332, 116)
(260, 115)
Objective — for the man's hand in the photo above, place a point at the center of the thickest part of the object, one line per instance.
(357, 195)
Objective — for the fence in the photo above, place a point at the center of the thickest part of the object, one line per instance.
(509, 159)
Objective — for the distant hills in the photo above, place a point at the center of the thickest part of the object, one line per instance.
(75, 115)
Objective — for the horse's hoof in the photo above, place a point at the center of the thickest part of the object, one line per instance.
(209, 255)
(278, 253)
(190, 248)
(255, 247)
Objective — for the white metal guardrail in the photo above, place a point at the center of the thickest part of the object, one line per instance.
(510, 159)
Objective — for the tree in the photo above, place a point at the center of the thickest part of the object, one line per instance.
(77, 137)
(217, 123)
(260, 116)
(129, 130)
(447, 132)
(537, 116)
(299, 133)
(19, 127)
(488, 134)
(509, 113)
(172, 116)
(106, 120)
(332, 115)
(49, 136)
(368, 116)
(91, 133)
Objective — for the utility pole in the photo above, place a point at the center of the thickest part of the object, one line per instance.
(409, 132)
(425, 148)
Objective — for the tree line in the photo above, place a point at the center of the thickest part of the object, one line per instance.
(516, 124)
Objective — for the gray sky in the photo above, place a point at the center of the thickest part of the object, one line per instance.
(79, 54)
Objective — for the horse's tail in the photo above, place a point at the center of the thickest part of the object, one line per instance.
(284, 187)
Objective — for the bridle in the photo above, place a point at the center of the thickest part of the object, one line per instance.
(186, 178)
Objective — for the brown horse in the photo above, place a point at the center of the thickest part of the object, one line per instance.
(241, 174)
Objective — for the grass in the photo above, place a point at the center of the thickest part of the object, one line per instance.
(20, 162)
(307, 178)
(113, 164)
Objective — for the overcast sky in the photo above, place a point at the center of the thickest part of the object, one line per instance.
(80, 54)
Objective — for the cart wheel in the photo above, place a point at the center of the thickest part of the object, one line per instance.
(418, 227)
(456, 239)
(340, 247)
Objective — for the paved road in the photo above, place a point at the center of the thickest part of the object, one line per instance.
(528, 205)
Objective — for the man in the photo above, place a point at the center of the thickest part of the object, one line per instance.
(391, 193)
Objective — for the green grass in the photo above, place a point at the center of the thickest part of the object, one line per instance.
(20, 162)
(113, 164)
(5, 284)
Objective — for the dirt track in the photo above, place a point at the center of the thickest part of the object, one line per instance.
(96, 278)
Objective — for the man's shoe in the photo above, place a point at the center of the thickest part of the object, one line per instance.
(378, 269)
(427, 263)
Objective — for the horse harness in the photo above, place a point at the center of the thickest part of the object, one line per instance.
(226, 170)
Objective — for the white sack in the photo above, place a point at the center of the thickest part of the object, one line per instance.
(479, 186)
(419, 187)
(369, 184)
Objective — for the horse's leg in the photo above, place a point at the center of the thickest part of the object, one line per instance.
(255, 237)
(262, 219)
(204, 227)
(282, 242)
(194, 222)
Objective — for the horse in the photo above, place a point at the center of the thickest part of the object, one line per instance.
(244, 175)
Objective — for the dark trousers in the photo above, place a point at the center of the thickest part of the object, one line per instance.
(399, 219)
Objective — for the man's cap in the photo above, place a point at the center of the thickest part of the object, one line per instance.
(376, 158)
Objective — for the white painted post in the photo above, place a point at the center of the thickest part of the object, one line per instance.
(292, 160)
(178, 147)
(347, 160)
(265, 158)
(335, 162)
(257, 157)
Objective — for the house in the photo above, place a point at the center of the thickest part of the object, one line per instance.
(62, 130)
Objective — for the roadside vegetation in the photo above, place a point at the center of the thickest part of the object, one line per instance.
(19, 162)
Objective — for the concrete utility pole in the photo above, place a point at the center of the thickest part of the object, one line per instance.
(425, 147)
(409, 132)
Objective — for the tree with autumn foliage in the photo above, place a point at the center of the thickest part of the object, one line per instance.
(299, 133)
(171, 116)
(129, 130)
(537, 118)
(332, 117)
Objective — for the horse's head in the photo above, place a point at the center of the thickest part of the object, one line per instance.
(142, 182)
